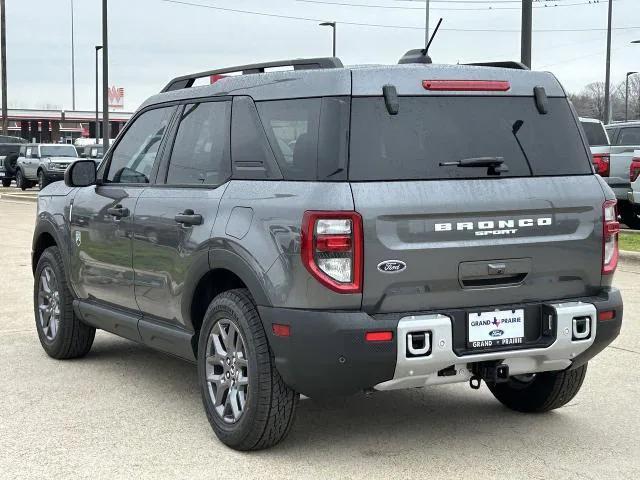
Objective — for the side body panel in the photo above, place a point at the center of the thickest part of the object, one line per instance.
(258, 232)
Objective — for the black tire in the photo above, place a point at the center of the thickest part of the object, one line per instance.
(10, 162)
(6, 182)
(270, 406)
(73, 338)
(43, 181)
(629, 215)
(543, 392)
(21, 182)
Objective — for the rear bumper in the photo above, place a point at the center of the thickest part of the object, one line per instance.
(326, 353)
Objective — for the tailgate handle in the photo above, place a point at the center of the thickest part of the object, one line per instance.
(493, 281)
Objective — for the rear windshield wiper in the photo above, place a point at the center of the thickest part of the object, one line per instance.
(495, 165)
(475, 162)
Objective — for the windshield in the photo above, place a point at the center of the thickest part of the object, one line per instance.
(58, 151)
(596, 135)
(428, 131)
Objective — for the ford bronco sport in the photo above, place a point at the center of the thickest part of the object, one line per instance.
(327, 230)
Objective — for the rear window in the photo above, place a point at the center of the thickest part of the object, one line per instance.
(7, 149)
(596, 135)
(431, 130)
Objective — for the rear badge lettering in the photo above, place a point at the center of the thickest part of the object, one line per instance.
(392, 266)
(494, 227)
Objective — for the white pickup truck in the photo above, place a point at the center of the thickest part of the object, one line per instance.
(625, 140)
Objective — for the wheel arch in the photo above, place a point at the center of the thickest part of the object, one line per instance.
(45, 236)
(227, 272)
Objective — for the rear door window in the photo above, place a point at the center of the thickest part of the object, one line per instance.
(629, 136)
(200, 154)
(596, 134)
(428, 131)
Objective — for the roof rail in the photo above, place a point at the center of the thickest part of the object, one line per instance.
(187, 81)
(505, 64)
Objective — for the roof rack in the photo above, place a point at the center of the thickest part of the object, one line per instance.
(187, 81)
(505, 64)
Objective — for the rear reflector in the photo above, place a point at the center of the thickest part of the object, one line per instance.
(378, 336)
(280, 330)
(610, 229)
(607, 315)
(467, 85)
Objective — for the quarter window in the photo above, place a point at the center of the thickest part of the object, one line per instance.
(134, 155)
(200, 154)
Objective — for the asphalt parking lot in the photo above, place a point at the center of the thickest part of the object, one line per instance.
(126, 411)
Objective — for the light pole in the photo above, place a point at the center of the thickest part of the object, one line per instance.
(98, 48)
(3, 54)
(73, 65)
(333, 26)
(607, 82)
(525, 33)
(105, 80)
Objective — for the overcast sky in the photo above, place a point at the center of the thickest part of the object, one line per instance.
(151, 41)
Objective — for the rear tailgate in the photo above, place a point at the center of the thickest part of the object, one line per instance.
(455, 236)
(466, 236)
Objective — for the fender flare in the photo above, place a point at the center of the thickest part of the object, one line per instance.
(220, 258)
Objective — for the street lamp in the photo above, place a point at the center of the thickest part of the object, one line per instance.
(98, 48)
(333, 26)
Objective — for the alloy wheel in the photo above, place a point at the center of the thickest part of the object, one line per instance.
(227, 370)
(48, 303)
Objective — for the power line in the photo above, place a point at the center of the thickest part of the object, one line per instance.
(378, 25)
(486, 6)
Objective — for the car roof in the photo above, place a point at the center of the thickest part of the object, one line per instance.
(589, 120)
(631, 123)
(366, 80)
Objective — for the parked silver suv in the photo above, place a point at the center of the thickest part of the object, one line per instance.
(43, 163)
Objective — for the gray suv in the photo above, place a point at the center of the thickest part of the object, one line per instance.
(327, 230)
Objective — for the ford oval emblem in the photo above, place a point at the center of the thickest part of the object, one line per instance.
(392, 266)
(496, 333)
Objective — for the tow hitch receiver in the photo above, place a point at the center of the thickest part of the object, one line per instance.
(490, 372)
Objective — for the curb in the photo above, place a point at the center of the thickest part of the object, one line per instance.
(629, 231)
(630, 258)
(17, 197)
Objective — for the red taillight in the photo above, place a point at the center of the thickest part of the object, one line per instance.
(634, 169)
(467, 85)
(280, 330)
(385, 336)
(607, 315)
(610, 230)
(332, 249)
(601, 163)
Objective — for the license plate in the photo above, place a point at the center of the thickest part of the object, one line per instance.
(495, 329)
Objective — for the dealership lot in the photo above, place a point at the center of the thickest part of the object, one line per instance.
(126, 411)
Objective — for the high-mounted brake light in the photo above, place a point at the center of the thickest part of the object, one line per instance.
(332, 249)
(610, 230)
(601, 164)
(467, 85)
(634, 169)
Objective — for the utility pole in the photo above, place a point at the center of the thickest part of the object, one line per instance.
(105, 79)
(73, 64)
(3, 60)
(525, 40)
(426, 24)
(626, 95)
(607, 82)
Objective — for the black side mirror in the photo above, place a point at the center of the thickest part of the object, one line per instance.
(80, 173)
